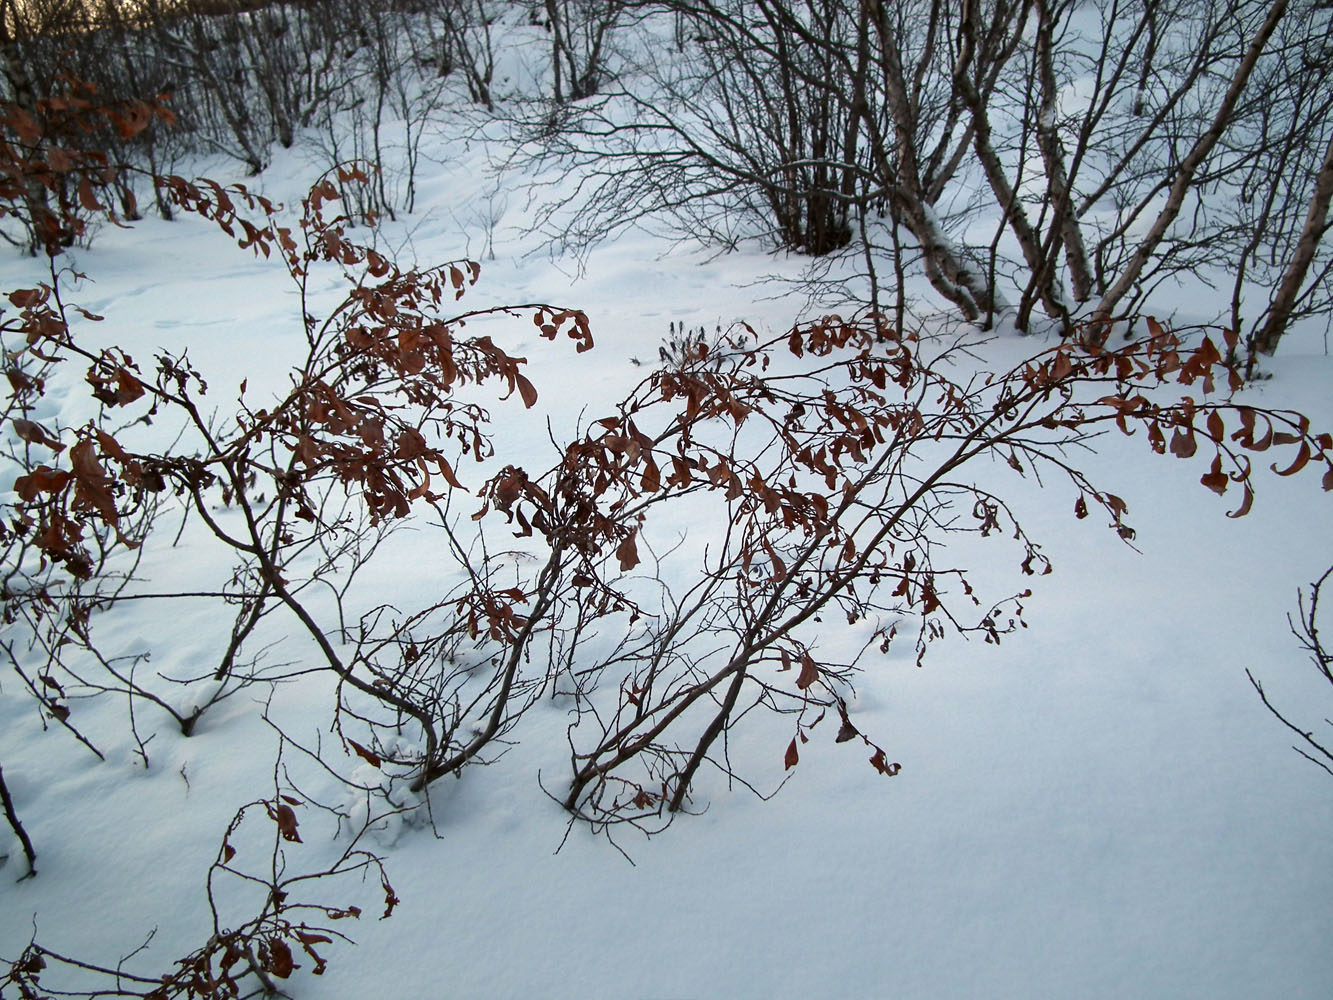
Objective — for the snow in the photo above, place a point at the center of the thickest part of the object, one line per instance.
(1099, 807)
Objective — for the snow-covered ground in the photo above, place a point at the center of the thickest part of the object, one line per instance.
(1099, 807)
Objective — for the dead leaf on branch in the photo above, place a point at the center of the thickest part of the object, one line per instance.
(627, 552)
(42, 479)
(809, 672)
(285, 817)
(883, 766)
(370, 758)
(278, 958)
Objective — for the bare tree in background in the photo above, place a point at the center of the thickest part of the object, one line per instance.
(462, 34)
(1048, 162)
(1120, 146)
(581, 33)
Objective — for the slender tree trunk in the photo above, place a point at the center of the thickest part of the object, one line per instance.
(555, 26)
(1063, 219)
(1316, 224)
(1184, 178)
(1043, 275)
(947, 273)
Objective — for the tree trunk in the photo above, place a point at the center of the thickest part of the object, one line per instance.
(947, 273)
(1043, 275)
(1102, 315)
(1064, 222)
(1316, 224)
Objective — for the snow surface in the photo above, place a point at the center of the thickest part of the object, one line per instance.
(1099, 807)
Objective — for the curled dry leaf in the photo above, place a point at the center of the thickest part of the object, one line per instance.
(285, 817)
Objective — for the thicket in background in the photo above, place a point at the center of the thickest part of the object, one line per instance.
(926, 136)
(1115, 146)
(362, 79)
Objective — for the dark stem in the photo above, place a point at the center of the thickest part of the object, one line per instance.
(17, 827)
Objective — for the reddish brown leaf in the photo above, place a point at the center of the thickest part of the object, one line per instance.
(510, 488)
(526, 390)
(651, 480)
(628, 553)
(26, 298)
(1183, 444)
(930, 601)
(792, 757)
(1155, 437)
(59, 160)
(390, 897)
(447, 471)
(1246, 502)
(59, 535)
(92, 486)
(111, 447)
(42, 479)
(308, 942)
(280, 961)
(1301, 460)
(364, 754)
(25, 125)
(86, 196)
(1215, 479)
(128, 388)
(378, 266)
(411, 443)
(35, 433)
(882, 765)
(809, 672)
(286, 820)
